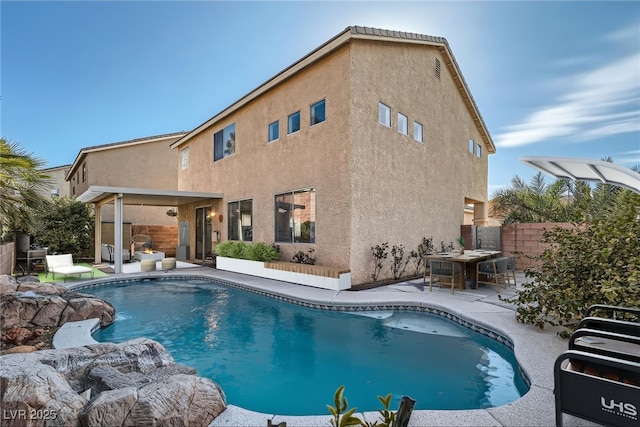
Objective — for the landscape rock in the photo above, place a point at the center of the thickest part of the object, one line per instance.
(29, 304)
(133, 383)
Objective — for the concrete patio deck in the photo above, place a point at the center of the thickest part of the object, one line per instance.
(536, 350)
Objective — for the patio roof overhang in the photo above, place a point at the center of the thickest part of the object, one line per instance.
(586, 170)
(120, 196)
(143, 196)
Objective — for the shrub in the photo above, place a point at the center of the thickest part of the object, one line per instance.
(304, 258)
(260, 251)
(379, 253)
(586, 265)
(231, 249)
(252, 251)
(398, 263)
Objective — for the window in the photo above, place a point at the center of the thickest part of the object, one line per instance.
(224, 142)
(295, 215)
(384, 114)
(240, 215)
(84, 172)
(472, 146)
(403, 124)
(318, 113)
(184, 159)
(478, 150)
(293, 122)
(417, 132)
(274, 131)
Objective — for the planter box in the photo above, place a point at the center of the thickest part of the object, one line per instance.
(257, 268)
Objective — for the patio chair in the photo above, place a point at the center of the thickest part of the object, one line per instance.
(494, 271)
(445, 272)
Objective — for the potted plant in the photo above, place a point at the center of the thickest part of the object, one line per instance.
(460, 241)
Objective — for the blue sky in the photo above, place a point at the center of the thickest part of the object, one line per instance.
(549, 78)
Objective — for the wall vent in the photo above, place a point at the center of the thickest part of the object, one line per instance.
(437, 70)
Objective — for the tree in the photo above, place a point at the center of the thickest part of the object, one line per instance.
(592, 263)
(67, 227)
(22, 185)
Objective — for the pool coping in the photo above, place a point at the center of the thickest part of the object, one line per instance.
(535, 349)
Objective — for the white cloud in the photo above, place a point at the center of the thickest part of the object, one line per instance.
(601, 102)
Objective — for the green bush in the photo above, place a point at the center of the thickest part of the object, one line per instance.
(260, 251)
(231, 249)
(255, 252)
(596, 263)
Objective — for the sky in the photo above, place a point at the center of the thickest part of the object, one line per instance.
(549, 78)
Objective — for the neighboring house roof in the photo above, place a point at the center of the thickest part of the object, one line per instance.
(55, 168)
(366, 33)
(84, 151)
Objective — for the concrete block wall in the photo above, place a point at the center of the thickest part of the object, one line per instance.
(526, 238)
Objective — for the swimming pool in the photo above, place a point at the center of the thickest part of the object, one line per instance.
(275, 357)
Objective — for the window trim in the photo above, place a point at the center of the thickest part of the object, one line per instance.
(277, 123)
(421, 140)
(292, 236)
(406, 124)
(230, 222)
(322, 102)
(289, 131)
(184, 158)
(221, 132)
(387, 116)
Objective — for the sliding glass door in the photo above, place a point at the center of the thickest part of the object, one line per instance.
(203, 233)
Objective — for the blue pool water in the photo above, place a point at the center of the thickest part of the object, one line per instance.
(276, 357)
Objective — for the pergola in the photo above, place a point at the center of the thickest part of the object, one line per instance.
(120, 196)
(586, 170)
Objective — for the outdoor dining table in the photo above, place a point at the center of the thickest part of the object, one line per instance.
(468, 261)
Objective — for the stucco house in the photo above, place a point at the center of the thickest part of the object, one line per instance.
(144, 162)
(372, 137)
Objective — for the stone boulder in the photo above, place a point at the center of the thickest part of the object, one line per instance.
(133, 383)
(31, 304)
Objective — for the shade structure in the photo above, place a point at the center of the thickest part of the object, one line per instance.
(586, 170)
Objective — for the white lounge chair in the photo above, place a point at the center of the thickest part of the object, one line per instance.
(63, 265)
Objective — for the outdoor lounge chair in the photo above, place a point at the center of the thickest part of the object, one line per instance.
(445, 272)
(63, 265)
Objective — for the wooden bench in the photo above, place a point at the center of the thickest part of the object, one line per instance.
(316, 270)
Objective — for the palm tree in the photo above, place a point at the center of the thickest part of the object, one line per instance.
(534, 202)
(22, 185)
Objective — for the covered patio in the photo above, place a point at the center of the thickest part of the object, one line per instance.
(120, 196)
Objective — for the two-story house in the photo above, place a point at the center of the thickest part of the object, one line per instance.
(372, 137)
(142, 163)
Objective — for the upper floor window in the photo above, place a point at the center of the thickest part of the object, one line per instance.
(478, 150)
(295, 214)
(273, 131)
(224, 142)
(293, 122)
(384, 114)
(184, 159)
(403, 124)
(240, 215)
(417, 132)
(84, 172)
(472, 145)
(318, 113)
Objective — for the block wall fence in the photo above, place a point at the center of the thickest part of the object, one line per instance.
(524, 238)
